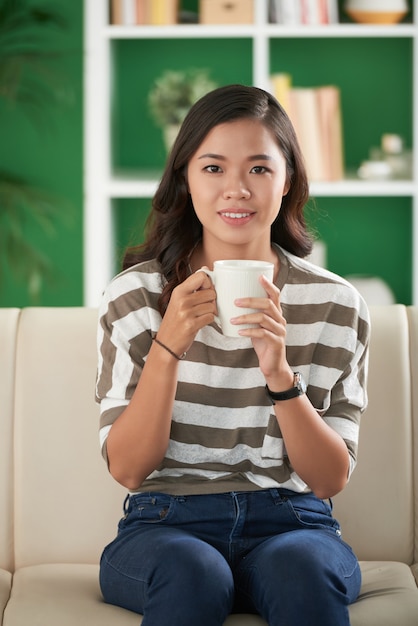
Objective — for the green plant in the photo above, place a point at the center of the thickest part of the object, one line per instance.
(174, 92)
(29, 81)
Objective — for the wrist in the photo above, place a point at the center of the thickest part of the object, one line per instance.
(280, 382)
(298, 388)
(168, 350)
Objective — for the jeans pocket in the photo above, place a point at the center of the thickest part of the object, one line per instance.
(312, 512)
(147, 508)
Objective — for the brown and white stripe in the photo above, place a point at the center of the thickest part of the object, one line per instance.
(224, 433)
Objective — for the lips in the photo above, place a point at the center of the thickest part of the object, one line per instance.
(236, 218)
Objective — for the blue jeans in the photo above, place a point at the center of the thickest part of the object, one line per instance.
(193, 560)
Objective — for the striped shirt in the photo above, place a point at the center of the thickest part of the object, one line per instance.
(224, 433)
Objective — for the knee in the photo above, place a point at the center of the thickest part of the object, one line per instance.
(173, 570)
(195, 579)
(296, 559)
(314, 564)
(199, 566)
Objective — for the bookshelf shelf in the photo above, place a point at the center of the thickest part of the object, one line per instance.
(180, 31)
(116, 173)
(339, 30)
(196, 31)
(133, 185)
(356, 188)
(144, 184)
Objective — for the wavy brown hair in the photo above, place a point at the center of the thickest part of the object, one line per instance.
(173, 229)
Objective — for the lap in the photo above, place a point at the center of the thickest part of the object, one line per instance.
(244, 546)
(166, 567)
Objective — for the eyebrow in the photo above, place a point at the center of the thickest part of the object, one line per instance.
(254, 157)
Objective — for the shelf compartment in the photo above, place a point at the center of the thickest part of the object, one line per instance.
(376, 97)
(137, 142)
(368, 236)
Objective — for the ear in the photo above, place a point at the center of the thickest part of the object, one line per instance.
(286, 188)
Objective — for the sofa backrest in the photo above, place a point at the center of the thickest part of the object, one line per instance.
(412, 312)
(66, 504)
(9, 319)
(376, 509)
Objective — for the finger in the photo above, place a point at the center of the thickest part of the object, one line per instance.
(265, 305)
(199, 297)
(198, 280)
(272, 291)
(259, 320)
(265, 313)
(204, 277)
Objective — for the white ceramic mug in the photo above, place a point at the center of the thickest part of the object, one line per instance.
(237, 279)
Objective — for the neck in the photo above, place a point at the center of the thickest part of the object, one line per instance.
(201, 256)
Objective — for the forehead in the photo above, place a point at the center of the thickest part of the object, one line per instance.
(248, 134)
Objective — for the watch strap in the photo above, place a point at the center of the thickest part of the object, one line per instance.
(298, 389)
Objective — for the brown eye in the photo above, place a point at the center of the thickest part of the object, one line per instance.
(213, 169)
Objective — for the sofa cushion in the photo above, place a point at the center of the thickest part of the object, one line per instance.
(69, 594)
(389, 596)
(61, 595)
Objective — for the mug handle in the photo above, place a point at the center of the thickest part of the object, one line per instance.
(211, 275)
(208, 272)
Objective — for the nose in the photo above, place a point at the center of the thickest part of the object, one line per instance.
(236, 189)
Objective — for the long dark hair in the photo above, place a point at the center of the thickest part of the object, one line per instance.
(173, 229)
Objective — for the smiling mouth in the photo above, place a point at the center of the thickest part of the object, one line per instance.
(235, 216)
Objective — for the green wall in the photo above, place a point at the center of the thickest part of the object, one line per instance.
(363, 235)
(47, 151)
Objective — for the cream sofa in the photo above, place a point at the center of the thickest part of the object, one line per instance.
(59, 506)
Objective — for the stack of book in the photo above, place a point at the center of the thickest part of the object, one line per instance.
(139, 12)
(315, 113)
(304, 11)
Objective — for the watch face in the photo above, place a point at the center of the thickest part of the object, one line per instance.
(300, 382)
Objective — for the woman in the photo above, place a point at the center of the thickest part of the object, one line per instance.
(228, 462)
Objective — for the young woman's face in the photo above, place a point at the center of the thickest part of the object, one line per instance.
(237, 179)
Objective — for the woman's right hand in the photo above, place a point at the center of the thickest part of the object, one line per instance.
(192, 306)
(138, 439)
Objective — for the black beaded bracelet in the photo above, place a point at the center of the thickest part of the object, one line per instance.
(176, 356)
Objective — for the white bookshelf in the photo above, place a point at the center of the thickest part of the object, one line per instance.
(102, 185)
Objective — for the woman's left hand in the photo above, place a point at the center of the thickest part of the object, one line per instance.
(269, 337)
(317, 453)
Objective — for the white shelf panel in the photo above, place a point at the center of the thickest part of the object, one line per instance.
(356, 187)
(224, 31)
(340, 30)
(180, 31)
(144, 185)
(133, 184)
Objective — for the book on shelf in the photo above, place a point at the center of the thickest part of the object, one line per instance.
(330, 122)
(144, 12)
(309, 12)
(315, 113)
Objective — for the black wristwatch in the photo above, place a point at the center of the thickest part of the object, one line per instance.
(298, 389)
